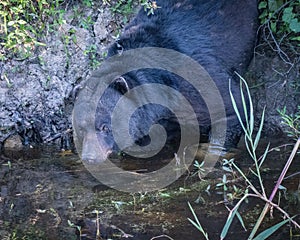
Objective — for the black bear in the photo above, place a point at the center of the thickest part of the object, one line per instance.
(218, 34)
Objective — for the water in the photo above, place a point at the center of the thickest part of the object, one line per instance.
(43, 191)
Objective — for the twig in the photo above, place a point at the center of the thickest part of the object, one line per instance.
(281, 53)
(274, 148)
(124, 234)
(292, 175)
(277, 48)
(160, 236)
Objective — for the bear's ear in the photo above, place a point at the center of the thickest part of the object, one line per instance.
(120, 84)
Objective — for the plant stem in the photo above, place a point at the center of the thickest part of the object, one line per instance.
(281, 177)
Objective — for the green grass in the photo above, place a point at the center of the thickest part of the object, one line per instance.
(22, 23)
(291, 122)
(252, 139)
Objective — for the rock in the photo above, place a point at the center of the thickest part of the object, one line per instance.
(101, 25)
(13, 142)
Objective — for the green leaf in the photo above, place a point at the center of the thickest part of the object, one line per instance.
(241, 220)
(268, 232)
(295, 25)
(288, 15)
(196, 223)
(264, 155)
(40, 44)
(228, 223)
(257, 138)
(3, 13)
(236, 108)
(262, 5)
(273, 27)
(224, 178)
(263, 16)
(295, 38)
(227, 169)
(274, 5)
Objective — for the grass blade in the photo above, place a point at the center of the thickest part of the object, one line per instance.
(257, 138)
(228, 223)
(264, 156)
(268, 232)
(241, 220)
(236, 108)
(250, 121)
(244, 105)
(196, 223)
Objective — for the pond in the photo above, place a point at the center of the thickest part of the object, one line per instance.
(49, 194)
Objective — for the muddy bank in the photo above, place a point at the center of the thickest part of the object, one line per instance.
(274, 84)
(37, 94)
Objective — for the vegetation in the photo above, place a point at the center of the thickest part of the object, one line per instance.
(282, 18)
(280, 27)
(124, 8)
(21, 25)
(252, 191)
(291, 122)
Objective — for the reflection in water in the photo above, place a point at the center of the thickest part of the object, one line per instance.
(41, 189)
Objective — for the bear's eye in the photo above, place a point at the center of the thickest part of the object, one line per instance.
(104, 128)
(119, 48)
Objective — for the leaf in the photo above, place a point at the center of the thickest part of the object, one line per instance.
(288, 15)
(228, 223)
(295, 25)
(262, 5)
(22, 22)
(196, 223)
(274, 5)
(268, 232)
(244, 104)
(10, 23)
(263, 16)
(70, 223)
(250, 121)
(273, 27)
(257, 138)
(264, 155)
(227, 169)
(236, 108)
(224, 178)
(241, 220)
(40, 44)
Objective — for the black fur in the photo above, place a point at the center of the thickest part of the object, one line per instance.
(219, 34)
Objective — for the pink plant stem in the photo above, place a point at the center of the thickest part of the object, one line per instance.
(285, 169)
(280, 179)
